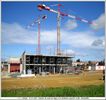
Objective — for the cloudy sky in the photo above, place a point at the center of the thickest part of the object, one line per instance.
(84, 41)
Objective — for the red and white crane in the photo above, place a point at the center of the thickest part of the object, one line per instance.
(59, 13)
(44, 7)
(38, 21)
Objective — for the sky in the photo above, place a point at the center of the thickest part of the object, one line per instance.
(82, 40)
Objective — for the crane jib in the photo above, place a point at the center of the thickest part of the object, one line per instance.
(42, 6)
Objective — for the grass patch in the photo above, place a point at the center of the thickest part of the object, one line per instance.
(85, 91)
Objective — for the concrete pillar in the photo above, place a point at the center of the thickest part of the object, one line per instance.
(60, 69)
(20, 68)
(39, 70)
(24, 71)
(54, 69)
(8, 68)
(24, 65)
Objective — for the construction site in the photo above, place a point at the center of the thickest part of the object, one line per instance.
(50, 74)
(39, 63)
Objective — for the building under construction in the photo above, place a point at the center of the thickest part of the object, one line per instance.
(29, 64)
(37, 64)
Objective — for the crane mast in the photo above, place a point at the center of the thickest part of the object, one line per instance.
(38, 21)
(58, 34)
(38, 49)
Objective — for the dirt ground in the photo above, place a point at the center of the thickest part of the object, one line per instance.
(58, 80)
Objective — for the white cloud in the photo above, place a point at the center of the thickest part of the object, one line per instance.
(78, 39)
(71, 24)
(69, 52)
(49, 36)
(15, 33)
(99, 22)
(74, 53)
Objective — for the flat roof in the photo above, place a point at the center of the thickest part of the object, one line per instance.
(51, 55)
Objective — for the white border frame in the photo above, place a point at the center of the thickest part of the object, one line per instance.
(52, 98)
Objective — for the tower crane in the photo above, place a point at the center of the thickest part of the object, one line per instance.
(38, 21)
(59, 13)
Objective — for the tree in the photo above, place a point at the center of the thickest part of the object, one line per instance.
(89, 63)
(101, 63)
(78, 60)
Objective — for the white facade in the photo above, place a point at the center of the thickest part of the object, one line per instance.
(89, 68)
(98, 67)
